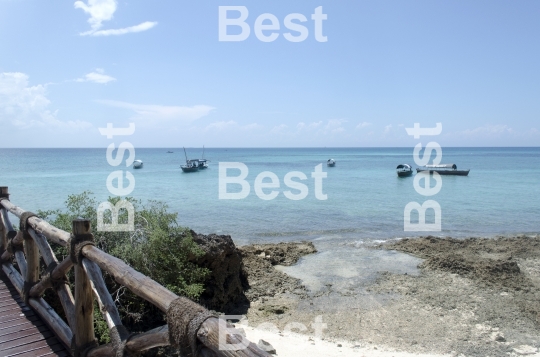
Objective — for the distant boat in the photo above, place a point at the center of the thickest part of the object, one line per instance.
(191, 165)
(170, 152)
(404, 170)
(203, 162)
(137, 164)
(331, 162)
(444, 169)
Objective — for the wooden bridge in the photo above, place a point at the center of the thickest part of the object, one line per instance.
(29, 326)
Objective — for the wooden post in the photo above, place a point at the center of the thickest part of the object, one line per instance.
(32, 259)
(84, 303)
(4, 193)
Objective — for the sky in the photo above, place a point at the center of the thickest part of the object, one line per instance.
(356, 78)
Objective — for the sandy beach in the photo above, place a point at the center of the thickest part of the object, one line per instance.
(472, 297)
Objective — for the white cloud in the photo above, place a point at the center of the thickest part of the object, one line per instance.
(103, 10)
(132, 29)
(98, 76)
(363, 125)
(162, 112)
(231, 125)
(489, 130)
(279, 129)
(334, 126)
(221, 125)
(27, 106)
(311, 126)
(387, 128)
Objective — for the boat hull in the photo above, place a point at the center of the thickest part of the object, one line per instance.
(189, 169)
(404, 173)
(447, 172)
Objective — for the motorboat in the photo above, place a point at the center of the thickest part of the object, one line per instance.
(203, 163)
(191, 165)
(331, 162)
(444, 169)
(404, 170)
(137, 164)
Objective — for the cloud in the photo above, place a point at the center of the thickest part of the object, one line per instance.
(363, 125)
(27, 106)
(489, 130)
(98, 76)
(310, 126)
(162, 112)
(103, 10)
(231, 125)
(99, 11)
(221, 125)
(387, 128)
(132, 29)
(279, 129)
(334, 126)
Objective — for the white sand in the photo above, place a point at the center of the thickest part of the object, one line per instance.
(296, 345)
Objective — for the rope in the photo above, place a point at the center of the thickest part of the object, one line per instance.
(119, 337)
(11, 246)
(23, 222)
(184, 318)
(75, 245)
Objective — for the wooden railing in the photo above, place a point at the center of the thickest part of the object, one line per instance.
(189, 327)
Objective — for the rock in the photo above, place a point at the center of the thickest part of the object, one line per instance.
(525, 350)
(266, 347)
(224, 288)
(498, 337)
(263, 280)
(281, 253)
(339, 345)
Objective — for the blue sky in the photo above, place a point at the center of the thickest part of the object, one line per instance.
(70, 67)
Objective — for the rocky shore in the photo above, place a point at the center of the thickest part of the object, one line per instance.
(472, 297)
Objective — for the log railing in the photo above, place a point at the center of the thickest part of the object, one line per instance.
(196, 332)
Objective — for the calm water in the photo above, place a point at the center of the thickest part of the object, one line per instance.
(365, 197)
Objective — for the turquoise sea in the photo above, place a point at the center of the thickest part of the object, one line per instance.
(365, 198)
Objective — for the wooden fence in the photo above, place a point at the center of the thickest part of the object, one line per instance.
(190, 327)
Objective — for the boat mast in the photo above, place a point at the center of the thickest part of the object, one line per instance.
(203, 151)
(185, 154)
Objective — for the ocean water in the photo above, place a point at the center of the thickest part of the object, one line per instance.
(365, 198)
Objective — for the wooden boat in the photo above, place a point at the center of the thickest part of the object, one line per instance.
(404, 170)
(137, 164)
(191, 165)
(444, 169)
(331, 162)
(203, 162)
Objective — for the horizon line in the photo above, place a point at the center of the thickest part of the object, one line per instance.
(274, 147)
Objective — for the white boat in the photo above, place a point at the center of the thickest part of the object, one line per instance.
(404, 170)
(137, 164)
(331, 162)
(444, 169)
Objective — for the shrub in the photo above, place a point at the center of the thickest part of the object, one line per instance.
(158, 248)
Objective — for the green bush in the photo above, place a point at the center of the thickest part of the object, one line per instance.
(158, 248)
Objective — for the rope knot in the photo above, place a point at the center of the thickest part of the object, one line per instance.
(75, 245)
(184, 318)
